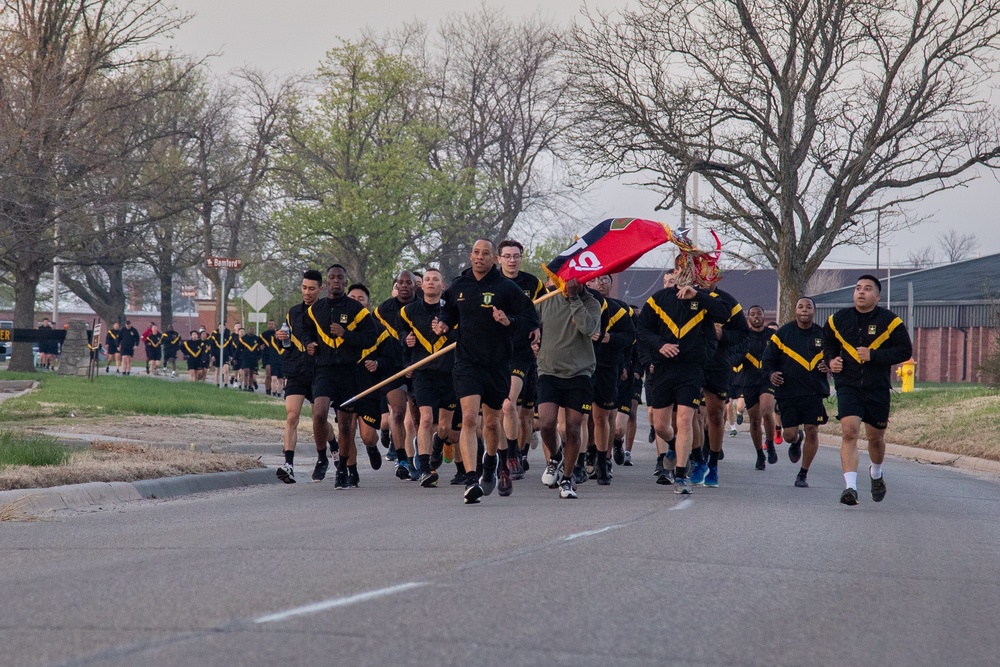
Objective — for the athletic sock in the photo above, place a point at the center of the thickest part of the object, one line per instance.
(875, 471)
(472, 478)
(401, 454)
(619, 442)
(290, 456)
(460, 467)
(490, 463)
(512, 445)
(502, 456)
(680, 472)
(321, 455)
(697, 456)
(342, 464)
(385, 437)
(353, 469)
(425, 462)
(803, 472)
(672, 444)
(713, 459)
(602, 460)
(851, 480)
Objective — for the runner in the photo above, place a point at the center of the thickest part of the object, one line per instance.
(171, 345)
(794, 364)
(299, 368)
(670, 327)
(192, 350)
(566, 360)
(758, 391)
(111, 347)
(486, 309)
(126, 346)
(268, 354)
(154, 349)
(860, 346)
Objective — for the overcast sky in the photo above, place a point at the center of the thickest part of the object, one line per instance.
(292, 35)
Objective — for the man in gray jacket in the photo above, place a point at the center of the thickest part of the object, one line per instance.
(566, 361)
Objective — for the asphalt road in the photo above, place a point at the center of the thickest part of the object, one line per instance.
(756, 572)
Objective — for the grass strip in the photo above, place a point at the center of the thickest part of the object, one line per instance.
(19, 449)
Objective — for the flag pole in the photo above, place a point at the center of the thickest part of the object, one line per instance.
(412, 367)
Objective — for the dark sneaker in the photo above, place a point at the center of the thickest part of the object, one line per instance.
(340, 479)
(772, 453)
(849, 497)
(800, 480)
(603, 476)
(473, 492)
(712, 478)
(505, 486)
(488, 481)
(795, 449)
(458, 479)
(722, 454)
(659, 467)
(878, 489)
(666, 477)
(682, 486)
(429, 479)
(353, 479)
(652, 435)
(374, 457)
(514, 466)
(566, 489)
(286, 474)
(618, 453)
(403, 470)
(319, 472)
(390, 455)
(414, 473)
(437, 453)
(579, 475)
(698, 473)
(761, 462)
(590, 462)
(739, 418)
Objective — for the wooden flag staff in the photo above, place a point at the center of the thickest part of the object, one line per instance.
(412, 367)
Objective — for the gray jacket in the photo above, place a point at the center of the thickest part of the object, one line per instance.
(567, 349)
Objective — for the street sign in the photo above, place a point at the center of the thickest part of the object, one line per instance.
(189, 291)
(256, 317)
(257, 296)
(224, 262)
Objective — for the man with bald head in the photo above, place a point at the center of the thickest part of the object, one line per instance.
(486, 308)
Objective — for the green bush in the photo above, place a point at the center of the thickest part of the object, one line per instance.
(30, 450)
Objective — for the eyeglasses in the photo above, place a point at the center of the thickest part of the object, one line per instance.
(510, 257)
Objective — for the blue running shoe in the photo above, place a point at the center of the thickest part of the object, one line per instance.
(682, 486)
(698, 472)
(712, 478)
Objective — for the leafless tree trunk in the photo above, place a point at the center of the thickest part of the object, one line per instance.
(957, 246)
(805, 117)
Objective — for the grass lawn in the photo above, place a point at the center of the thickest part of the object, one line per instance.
(955, 418)
(64, 396)
(29, 449)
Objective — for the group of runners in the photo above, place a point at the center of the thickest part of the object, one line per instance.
(572, 365)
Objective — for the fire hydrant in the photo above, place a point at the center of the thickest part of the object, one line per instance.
(906, 372)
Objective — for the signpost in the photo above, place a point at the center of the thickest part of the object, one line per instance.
(257, 296)
(223, 263)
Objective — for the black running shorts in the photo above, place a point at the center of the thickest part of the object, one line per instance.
(575, 393)
(606, 387)
(338, 383)
(529, 392)
(803, 410)
(717, 380)
(626, 394)
(676, 388)
(299, 385)
(872, 405)
(752, 393)
(490, 383)
(434, 389)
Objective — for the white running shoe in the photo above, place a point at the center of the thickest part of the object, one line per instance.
(732, 431)
(567, 489)
(550, 477)
(286, 474)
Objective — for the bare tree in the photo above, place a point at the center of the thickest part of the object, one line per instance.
(805, 117)
(957, 246)
(58, 65)
(922, 258)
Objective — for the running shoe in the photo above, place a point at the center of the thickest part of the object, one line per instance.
(658, 470)
(353, 479)
(488, 481)
(566, 489)
(514, 466)
(391, 454)
(340, 480)
(849, 497)
(473, 492)
(590, 462)
(682, 486)
(618, 452)
(739, 418)
(579, 475)
(761, 461)
(722, 453)
(733, 431)
(458, 479)
(414, 473)
(437, 453)
(524, 461)
(712, 478)
(374, 457)
(628, 459)
(448, 452)
(429, 479)
(800, 480)
(666, 477)
(670, 460)
(878, 489)
(772, 453)
(603, 476)
(652, 435)
(550, 476)
(795, 449)
(505, 486)
(286, 473)
(777, 434)
(319, 472)
(403, 470)
(698, 473)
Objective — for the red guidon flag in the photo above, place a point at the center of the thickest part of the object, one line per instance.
(611, 247)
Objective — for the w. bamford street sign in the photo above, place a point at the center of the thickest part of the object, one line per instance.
(224, 262)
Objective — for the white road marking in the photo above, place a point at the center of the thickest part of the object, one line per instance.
(338, 602)
(682, 505)
(588, 533)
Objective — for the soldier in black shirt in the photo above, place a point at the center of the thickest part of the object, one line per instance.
(267, 354)
(487, 309)
(171, 345)
(299, 371)
(793, 362)
(154, 348)
(111, 340)
(126, 345)
(860, 345)
(248, 353)
(758, 392)
(193, 350)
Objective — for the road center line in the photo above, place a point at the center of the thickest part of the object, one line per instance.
(588, 533)
(339, 602)
(682, 505)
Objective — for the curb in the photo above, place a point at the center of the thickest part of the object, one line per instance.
(928, 456)
(78, 496)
